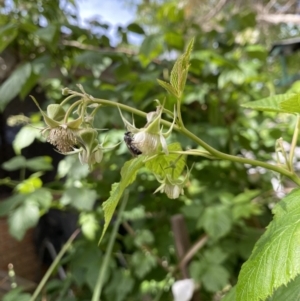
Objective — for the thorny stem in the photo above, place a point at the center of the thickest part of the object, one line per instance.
(294, 143)
(220, 155)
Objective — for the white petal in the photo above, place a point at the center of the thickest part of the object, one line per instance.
(183, 290)
(147, 143)
(173, 191)
(164, 144)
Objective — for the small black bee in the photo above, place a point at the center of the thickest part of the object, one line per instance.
(130, 144)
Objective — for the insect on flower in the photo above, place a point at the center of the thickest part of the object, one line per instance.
(128, 138)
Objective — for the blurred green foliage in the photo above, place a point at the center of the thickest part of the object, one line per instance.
(226, 202)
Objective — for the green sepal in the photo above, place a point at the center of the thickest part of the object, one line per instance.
(75, 124)
(49, 121)
(56, 112)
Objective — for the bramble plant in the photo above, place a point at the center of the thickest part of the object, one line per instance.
(274, 261)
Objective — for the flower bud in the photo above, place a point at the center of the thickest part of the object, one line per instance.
(173, 188)
(173, 191)
(65, 91)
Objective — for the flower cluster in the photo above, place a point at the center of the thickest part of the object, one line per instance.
(77, 136)
(72, 137)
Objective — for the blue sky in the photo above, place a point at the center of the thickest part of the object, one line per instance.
(114, 12)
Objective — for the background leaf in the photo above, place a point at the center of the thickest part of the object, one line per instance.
(80, 198)
(23, 218)
(217, 221)
(15, 163)
(24, 138)
(272, 103)
(7, 34)
(13, 85)
(42, 163)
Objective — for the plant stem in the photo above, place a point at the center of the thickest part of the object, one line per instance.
(67, 99)
(112, 238)
(294, 143)
(242, 160)
(76, 103)
(54, 264)
(211, 150)
(180, 121)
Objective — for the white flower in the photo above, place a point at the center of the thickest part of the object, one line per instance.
(150, 139)
(183, 290)
(172, 188)
(147, 143)
(173, 191)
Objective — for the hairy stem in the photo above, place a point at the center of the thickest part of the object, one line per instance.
(211, 150)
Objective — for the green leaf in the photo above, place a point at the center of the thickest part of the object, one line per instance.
(92, 58)
(215, 255)
(29, 185)
(24, 138)
(70, 166)
(80, 198)
(40, 197)
(128, 175)
(7, 34)
(15, 163)
(272, 103)
(28, 85)
(287, 292)
(180, 70)
(275, 258)
(12, 202)
(174, 39)
(142, 263)
(168, 87)
(215, 278)
(13, 85)
(16, 294)
(123, 281)
(217, 221)
(144, 237)
(136, 28)
(42, 163)
(160, 165)
(243, 205)
(47, 33)
(236, 77)
(23, 218)
(292, 104)
(150, 48)
(89, 224)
